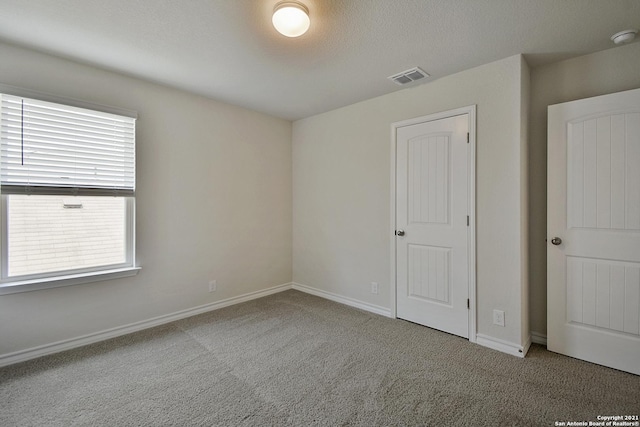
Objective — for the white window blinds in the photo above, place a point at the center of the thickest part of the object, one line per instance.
(50, 148)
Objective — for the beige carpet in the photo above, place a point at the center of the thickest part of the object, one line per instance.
(295, 359)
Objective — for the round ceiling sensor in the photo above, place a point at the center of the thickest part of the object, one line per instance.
(624, 36)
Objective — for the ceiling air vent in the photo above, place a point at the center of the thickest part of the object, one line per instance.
(408, 76)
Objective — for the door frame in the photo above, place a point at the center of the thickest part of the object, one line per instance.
(471, 167)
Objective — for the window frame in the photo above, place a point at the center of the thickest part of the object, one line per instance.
(53, 279)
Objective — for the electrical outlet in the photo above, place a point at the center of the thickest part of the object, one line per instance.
(374, 288)
(498, 317)
(213, 285)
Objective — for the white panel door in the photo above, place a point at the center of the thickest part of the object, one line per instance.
(593, 216)
(431, 218)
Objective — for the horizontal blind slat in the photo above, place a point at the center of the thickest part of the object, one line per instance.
(12, 116)
(85, 162)
(30, 135)
(67, 110)
(67, 191)
(60, 146)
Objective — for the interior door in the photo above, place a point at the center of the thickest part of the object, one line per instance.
(432, 267)
(593, 223)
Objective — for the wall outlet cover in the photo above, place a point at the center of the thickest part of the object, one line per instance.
(498, 317)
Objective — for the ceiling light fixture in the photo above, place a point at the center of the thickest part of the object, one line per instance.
(625, 36)
(291, 18)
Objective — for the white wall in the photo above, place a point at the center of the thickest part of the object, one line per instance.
(341, 194)
(213, 202)
(608, 71)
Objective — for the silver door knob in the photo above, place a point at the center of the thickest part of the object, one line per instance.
(556, 241)
(399, 232)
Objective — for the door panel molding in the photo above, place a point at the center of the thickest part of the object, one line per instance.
(471, 187)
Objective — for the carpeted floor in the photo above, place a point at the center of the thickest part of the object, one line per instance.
(297, 360)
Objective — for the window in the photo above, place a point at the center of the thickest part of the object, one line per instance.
(67, 184)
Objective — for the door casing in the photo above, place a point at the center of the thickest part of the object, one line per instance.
(471, 112)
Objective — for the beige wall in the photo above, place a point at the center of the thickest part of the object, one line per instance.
(608, 71)
(341, 194)
(214, 202)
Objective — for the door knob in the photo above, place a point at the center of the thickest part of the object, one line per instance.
(399, 232)
(556, 241)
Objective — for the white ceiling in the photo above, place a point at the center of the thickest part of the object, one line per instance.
(228, 49)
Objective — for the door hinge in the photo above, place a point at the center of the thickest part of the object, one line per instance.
(468, 304)
(467, 137)
(467, 220)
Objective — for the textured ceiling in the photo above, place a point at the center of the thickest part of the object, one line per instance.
(228, 49)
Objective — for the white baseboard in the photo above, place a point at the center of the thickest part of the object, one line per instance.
(501, 345)
(342, 299)
(56, 347)
(538, 338)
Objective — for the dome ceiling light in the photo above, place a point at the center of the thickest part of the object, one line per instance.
(291, 18)
(625, 36)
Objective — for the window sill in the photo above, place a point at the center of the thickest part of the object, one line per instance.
(68, 280)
